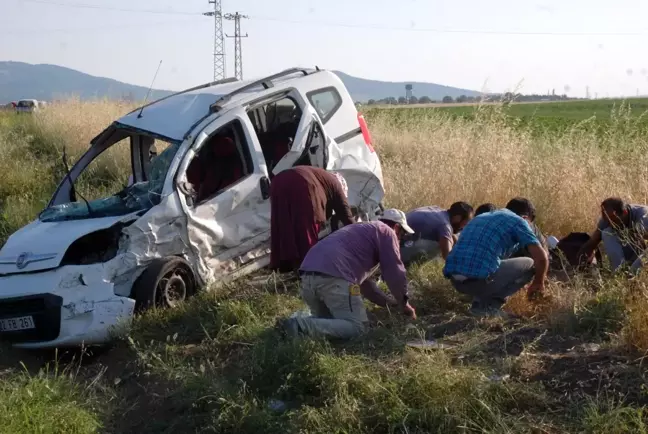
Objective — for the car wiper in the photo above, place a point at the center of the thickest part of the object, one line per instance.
(73, 191)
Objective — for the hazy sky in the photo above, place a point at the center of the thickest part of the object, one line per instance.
(474, 44)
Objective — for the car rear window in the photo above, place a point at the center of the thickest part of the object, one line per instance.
(326, 101)
(26, 104)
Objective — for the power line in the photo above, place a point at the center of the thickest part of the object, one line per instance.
(36, 32)
(438, 30)
(238, 50)
(346, 25)
(109, 8)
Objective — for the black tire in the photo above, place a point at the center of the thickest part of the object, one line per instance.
(165, 283)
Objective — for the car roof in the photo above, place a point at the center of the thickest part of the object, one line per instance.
(174, 116)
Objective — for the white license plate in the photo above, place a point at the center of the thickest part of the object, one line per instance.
(20, 323)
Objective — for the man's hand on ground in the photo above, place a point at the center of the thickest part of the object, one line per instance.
(535, 290)
(409, 311)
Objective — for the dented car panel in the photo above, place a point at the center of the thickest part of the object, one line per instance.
(75, 270)
(90, 308)
(54, 239)
(236, 220)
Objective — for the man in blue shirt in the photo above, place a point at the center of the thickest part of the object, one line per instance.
(475, 265)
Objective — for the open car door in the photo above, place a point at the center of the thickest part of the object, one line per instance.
(225, 194)
(310, 147)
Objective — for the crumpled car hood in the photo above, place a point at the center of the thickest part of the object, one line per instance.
(43, 245)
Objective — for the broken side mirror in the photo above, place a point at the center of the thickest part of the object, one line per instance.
(264, 184)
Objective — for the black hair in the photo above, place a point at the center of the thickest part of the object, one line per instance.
(461, 209)
(522, 207)
(615, 204)
(484, 208)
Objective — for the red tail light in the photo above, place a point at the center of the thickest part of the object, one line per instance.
(365, 131)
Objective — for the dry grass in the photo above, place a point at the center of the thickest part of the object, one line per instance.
(374, 386)
(439, 160)
(74, 123)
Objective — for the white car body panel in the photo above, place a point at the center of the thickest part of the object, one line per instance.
(54, 238)
(225, 237)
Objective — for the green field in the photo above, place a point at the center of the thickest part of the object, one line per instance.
(549, 117)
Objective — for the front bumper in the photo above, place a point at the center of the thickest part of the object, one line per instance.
(45, 311)
(69, 306)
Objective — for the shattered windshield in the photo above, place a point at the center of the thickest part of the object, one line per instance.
(135, 197)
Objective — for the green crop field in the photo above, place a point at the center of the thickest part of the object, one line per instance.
(543, 117)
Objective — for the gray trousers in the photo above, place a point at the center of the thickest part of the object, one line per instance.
(618, 253)
(512, 275)
(336, 306)
(418, 250)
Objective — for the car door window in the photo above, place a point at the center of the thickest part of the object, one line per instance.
(326, 102)
(223, 160)
(276, 126)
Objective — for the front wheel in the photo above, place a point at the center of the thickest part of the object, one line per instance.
(165, 283)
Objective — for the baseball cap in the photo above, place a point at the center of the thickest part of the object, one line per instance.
(397, 216)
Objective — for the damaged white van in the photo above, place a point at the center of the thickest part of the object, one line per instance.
(194, 214)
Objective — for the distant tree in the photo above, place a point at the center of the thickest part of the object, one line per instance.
(462, 98)
(371, 102)
(414, 100)
(447, 99)
(402, 100)
(508, 97)
(391, 100)
(424, 100)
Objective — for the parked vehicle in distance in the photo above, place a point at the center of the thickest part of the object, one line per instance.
(27, 106)
(195, 214)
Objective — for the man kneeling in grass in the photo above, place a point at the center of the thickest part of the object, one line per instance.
(434, 231)
(623, 228)
(337, 271)
(476, 267)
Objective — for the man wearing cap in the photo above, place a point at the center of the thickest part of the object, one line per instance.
(476, 265)
(337, 271)
(302, 199)
(434, 231)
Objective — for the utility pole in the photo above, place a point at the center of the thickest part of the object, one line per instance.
(219, 42)
(238, 49)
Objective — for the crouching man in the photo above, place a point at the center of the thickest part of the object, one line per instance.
(623, 228)
(475, 266)
(337, 270)
(302, 199)
(435, 231)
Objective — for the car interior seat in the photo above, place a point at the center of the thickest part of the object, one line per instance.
(218, 166)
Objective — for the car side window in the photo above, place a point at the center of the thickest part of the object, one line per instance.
(223, 160)
(326, 102)
(276, 126)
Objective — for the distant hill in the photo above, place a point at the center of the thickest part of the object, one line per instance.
(363, 90)
(48, 82)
